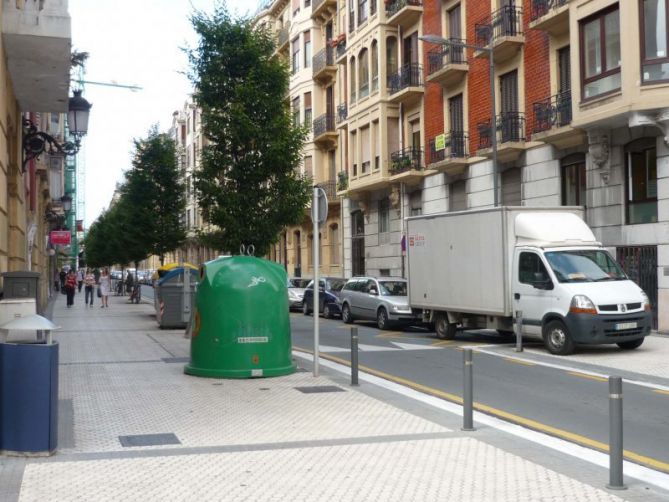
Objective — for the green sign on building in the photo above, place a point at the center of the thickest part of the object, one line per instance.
(440, 142)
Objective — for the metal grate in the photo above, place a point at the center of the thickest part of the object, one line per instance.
(319, 389)
(640, 264)
(149, 440)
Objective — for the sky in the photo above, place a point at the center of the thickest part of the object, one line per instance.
(131, 42)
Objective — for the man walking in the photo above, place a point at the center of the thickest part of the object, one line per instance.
(70, 286)
(89, 279)
(80, 278)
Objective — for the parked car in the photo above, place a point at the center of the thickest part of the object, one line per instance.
(296, 287)
(382, 299)
(328, 299)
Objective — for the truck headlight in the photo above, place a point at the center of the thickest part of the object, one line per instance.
(646, 301)
(581, 304)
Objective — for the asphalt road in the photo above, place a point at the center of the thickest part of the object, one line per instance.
(570, 405)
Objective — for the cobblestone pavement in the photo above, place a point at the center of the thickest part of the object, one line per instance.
(258, 439)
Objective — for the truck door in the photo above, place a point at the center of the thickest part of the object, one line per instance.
(532, 290)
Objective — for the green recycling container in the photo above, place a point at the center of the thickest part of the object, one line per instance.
(240, 325)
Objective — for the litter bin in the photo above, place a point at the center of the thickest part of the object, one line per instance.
(241, 324)
(29, 388)
(22, 284)
(169, 294)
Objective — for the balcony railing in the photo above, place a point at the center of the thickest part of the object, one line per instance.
(552, 112)
(342, 113)
(504, 22)
(284, 34)
(395, 6)
(455, 147)
(323, 124)
(510, 128)
(330, 188)
(443, 56)
(542, 7)
(410, 75)
(407, 159)
(341, 49)
(323, 58)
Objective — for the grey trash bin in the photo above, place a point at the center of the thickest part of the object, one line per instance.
(22, 284)
(169, 294)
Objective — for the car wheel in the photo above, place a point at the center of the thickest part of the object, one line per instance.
(444, 329)
(557, 339)
(631, 345)
(382, 319)
(346, 314)
(305, 308)
(326, 311)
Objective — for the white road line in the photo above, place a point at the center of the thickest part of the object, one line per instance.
(594, 457)
(572, 368)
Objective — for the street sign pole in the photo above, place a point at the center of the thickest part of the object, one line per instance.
(319, 213)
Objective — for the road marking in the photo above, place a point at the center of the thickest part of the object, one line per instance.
(512, 418)
(442, 343)
(391, 334)
(586, 375)
(519, 361)
(663, 392)
(414, 346)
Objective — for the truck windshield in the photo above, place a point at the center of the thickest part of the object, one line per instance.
(584, 265)
(393, 288)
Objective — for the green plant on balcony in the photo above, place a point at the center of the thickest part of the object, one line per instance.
(400, 164)
(342, 181)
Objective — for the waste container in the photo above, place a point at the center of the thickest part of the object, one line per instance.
(169, 297)
(29, 389)
(241, 324)
(21, 284)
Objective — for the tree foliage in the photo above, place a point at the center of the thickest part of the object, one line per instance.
(247, 184)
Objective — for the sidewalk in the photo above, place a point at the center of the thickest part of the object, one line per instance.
(134, 427)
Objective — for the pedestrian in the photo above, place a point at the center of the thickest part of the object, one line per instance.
(80, 278)
(105, 287)
(70, 286)
(63, 275)
(96, 273)
(89, 280)
(129, 281)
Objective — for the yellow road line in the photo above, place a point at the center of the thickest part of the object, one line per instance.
(510, 417)
(442, 343)
(585, 375)
(519, 361)
(663, 392)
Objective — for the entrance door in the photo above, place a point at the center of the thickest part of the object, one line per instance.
(457, 125)
(358, 243)
(640, 264)
(511, 126)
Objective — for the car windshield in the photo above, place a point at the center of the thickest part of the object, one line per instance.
(582, 265)
(298, 283)
(393, 288)
(336, 284)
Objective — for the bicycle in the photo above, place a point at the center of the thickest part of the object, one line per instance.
(136, 295)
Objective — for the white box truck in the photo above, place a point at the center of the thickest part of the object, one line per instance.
(475, 269)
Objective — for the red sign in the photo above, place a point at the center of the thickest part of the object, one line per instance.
(80, 225)
(62, 237)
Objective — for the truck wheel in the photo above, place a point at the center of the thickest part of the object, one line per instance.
(444, 329)
(382, 319)
(631, 345)
(557, 339)
(346, 314)
(326, 311)
(305, 308)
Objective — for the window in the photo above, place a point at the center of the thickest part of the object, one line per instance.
(416, 203)
(458, 195)
(573, 180)
(307, 49)
(362, 11)
(334, 242)
(307, 3)
(641, 181)
(511, 187)
(308, 167)
(531, 269)
(363, 74)
(384, 216)
(353, 86)
(296, 55)
(654, 57)
(296, 111)
(375, 66)
(391, 56)
(296, 7)
(600, 53)
(308, 117)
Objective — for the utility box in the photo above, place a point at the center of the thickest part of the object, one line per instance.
(169, 297)
(21, 284)
(241, 325)
(15, 308)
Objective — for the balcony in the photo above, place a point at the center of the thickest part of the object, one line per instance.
(404, 13)
(454, 157)
(342, 114)
(552, 122)
(322, 10)
(330, 189)
(504, 29)
(447, 65)
(282, 38)
(324, 68)
(407, 165)
(551, 16)
(325, 135)
(37, 37)
(358, 187)
(406, 86)
(510, 132)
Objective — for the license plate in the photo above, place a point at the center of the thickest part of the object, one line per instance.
(625, 325)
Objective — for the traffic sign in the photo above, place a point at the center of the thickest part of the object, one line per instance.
(321, 202)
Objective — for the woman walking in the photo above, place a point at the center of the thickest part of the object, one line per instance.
(70, 286)
(89, 280)
(105, 287)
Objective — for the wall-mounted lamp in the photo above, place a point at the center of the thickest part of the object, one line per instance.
(66, 200)
(35, 142)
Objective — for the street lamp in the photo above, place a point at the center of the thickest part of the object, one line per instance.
(453, 43)
(35, 142)
(66, 200)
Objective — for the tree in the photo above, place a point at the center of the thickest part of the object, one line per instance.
(246, 184)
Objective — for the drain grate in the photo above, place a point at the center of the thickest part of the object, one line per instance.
(149, 440)
(318, 389)
(176, 359)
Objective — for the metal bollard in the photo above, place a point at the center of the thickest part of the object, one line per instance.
(616, 434)
(519, 330)
(468, 391)
(354, 356)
